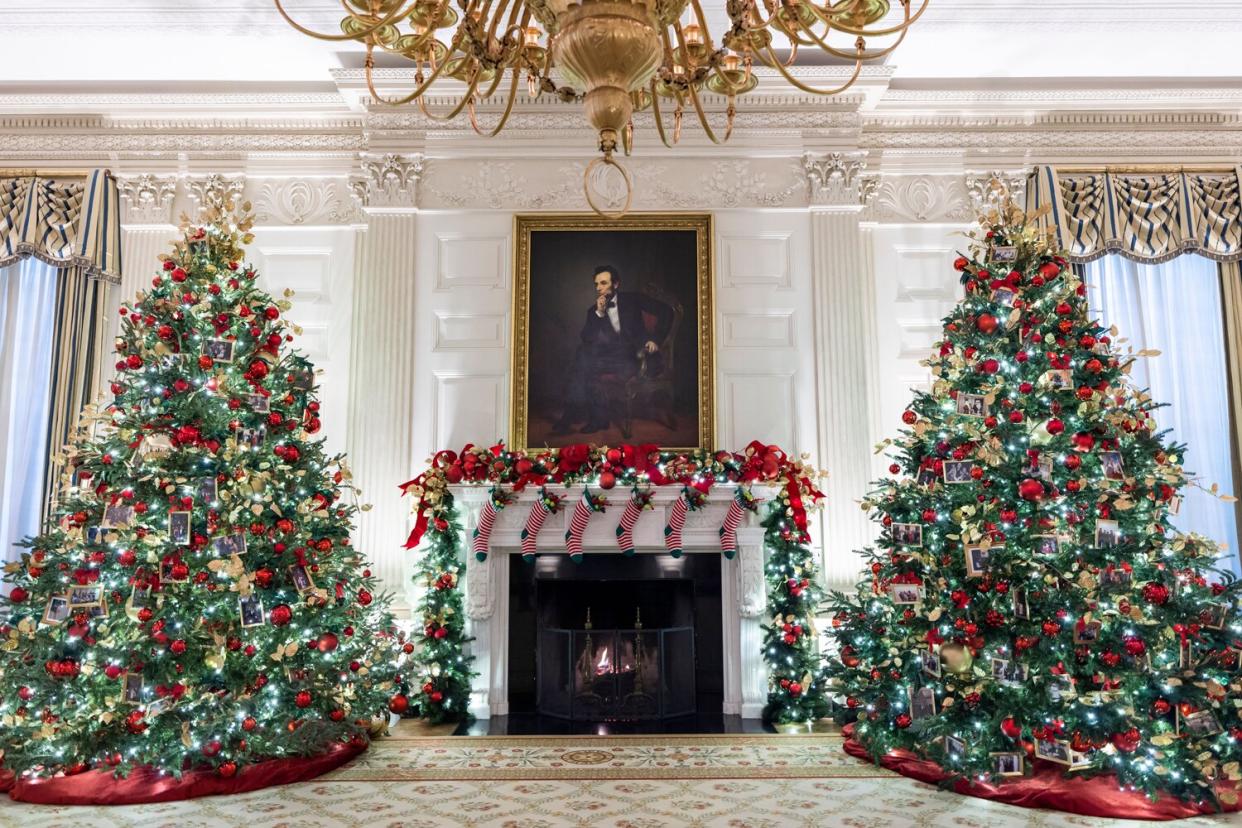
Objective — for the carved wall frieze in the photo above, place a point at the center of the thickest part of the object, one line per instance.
(538, 185)
(147, 199)
(920, 198)
(302, 201)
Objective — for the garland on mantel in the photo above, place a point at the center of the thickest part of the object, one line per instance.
(794, 664)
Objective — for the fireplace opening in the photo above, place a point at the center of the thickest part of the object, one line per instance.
(615, 639)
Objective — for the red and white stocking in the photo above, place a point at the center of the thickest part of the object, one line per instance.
(743, 501)
(546, 505)
(676, 520)
(578, 521)
(625, 529)
(483, 532)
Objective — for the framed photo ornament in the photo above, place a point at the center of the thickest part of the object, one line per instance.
(613, 331)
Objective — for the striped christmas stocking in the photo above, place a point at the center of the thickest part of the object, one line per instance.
(578, 521)
(487, 519)
(676, 520)
(625, 529)
(546, 505)
(743, 501)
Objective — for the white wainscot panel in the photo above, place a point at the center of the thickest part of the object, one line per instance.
(759, 260)
(467, 261)
(758, 407)
(758, 329)
(467, 408)
(469, 331)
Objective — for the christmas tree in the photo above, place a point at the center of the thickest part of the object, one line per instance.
(1029, 600)
(194, 602)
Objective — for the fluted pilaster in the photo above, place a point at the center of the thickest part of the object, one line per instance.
(844, 296)
(381, 381)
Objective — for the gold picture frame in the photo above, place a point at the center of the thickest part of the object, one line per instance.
(693, 325)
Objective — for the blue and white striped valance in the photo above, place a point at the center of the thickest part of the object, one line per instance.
(1146, 217)
(70, 222)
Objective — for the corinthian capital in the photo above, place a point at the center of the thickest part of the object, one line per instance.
(147, 199)
(836, 178)
(390, 181)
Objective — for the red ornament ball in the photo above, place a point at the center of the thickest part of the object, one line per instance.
(1031, 489)
(607, 480)
(303, 698)
(909, 418)
(281, 614)
(960, 263)
(1055, 427)
(986, 323)
(18, 595)
(399, 704)
(327, 642)
(227, 769)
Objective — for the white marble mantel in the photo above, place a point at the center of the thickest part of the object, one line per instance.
(742, 604)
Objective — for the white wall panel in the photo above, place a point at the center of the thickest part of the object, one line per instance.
(916, 287)
(462, 330)
(317, 263)
(756, 259)
(765, 365)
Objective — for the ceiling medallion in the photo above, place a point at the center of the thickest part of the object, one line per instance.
(612, 56)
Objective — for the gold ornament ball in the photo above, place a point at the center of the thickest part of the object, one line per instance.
(956, 658)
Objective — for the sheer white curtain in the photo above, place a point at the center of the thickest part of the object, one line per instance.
(1175, 308)
(27, 305)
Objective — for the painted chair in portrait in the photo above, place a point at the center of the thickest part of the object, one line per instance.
(655, 383)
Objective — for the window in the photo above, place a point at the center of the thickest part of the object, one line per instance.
(27, 304)
(1175, 308)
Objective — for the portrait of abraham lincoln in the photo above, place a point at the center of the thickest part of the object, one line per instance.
(612, 331)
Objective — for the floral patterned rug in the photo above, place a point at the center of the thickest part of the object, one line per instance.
(725, 781)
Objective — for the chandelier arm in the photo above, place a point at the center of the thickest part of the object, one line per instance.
(707, 129)
(465, 99)
(504, 117)
(365, 33)
(800, 85)
(418, 90)
(659, 121)
(860, 49)
(905, 24)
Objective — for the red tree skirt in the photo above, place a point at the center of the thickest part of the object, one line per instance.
(1048, 787)
(147, 785)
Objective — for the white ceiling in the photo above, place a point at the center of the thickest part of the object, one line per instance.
(94, 45)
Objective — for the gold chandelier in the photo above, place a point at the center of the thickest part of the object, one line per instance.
(613, 56)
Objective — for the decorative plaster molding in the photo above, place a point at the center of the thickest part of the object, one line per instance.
(920, 198)
(752, 597)
(147, 198)
(303, 201)
(836, 178)
(539, 184)
(388, 182)
(480, 596)
(214, 189)
(984, 196)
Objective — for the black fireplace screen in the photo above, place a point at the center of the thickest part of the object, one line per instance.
(616, 675)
